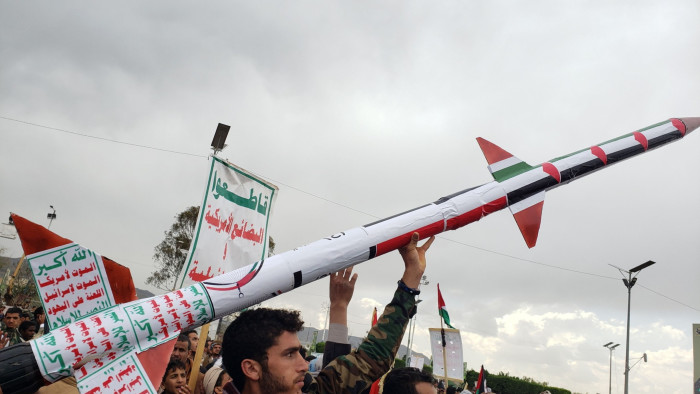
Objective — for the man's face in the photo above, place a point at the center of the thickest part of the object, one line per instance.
(425, 388)
(285, 368)
(194, 340)
(11, 320)
(41, 318)
(216, 349)
(174, 380)
(180, 351)
(28, 333)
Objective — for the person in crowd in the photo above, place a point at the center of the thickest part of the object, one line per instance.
(261, 347)
(214, 355)
(27, 330)
(194, 342)
(341, 289)
(214, 380)
(11, 322)
(181, 350)
(175, 378)
(24, 316)
(42, 327)
(405, 381)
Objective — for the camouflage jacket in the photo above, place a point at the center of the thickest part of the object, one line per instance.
(374, 357)
(13, 335)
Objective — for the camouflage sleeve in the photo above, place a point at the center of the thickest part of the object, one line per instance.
(375, 356)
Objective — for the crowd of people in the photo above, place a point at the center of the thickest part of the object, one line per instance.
(19, 325)
(261, 352)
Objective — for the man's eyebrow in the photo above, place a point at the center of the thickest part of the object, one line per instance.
(292, 349)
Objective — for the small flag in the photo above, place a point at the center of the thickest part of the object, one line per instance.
(442, 310)
(479, 388)
(374, 317)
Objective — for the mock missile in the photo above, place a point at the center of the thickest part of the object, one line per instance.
(101, 345)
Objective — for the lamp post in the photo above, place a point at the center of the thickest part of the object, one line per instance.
(629, 282)
(412, 325)
(51, 216)
(611, 348)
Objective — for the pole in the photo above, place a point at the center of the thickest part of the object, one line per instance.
(629, 285)
(610, 375)
(444, 353)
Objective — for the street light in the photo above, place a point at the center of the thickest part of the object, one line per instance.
(629, 282)
(607, 345)
(412, 323)
(51, 216)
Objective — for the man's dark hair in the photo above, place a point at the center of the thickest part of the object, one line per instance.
(39, 311)
(452, 390)
(404, 380)
(188, 332)
(184, 338)
(25, 325)
(251, 334)
(173, 365)
(14, 309)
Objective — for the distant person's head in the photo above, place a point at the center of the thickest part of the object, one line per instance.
(194, 340)
(451, 390)
(408, 381)
(39, 315)
(261, 349)
(182, 349)
(215, 348)
(27, 330)
(11, 318)
(24, 316)
(214, 380)
(175, 377)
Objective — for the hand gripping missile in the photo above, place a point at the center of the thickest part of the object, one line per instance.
(130, 329)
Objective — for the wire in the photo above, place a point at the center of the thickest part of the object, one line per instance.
(340, 205)
(102, 138)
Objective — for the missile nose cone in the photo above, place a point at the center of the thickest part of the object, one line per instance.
(691, 124)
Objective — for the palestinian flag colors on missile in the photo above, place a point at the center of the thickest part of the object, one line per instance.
(524, 185)
(112, 338)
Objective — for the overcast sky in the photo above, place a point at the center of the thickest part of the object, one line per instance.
(360, 110)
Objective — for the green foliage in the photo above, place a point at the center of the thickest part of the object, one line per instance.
(171, 253)
(428, 369)
(320, 347)
(24, 293)
(505, 384)
(399, 363)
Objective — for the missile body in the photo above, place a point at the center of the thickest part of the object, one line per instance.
(144, 324)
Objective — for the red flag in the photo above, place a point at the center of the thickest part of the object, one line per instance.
(480, 389)
(36, 238)
(374, 317)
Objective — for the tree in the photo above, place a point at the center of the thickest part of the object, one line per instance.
(170, 254)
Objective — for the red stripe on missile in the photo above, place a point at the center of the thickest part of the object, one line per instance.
(550, 169)
(401, 240)
(599, 153)
(677, 123)
(476, 213)
(641, 139)
(492, 152)
(438, 227)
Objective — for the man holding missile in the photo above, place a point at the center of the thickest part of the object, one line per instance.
(261, 347)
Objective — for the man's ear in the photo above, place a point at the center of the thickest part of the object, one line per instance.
(251, 369)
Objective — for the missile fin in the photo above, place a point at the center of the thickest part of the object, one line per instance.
(502, 164)
(528, 215)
